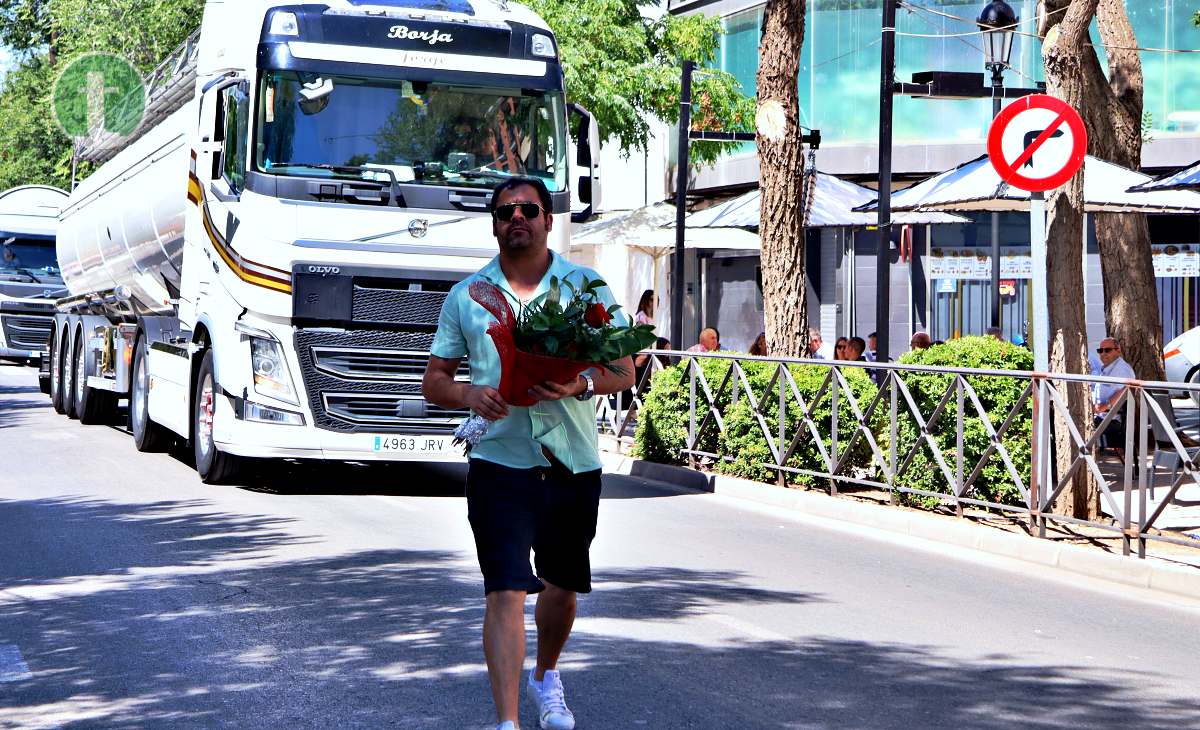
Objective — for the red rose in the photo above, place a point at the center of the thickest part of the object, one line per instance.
(597, 316)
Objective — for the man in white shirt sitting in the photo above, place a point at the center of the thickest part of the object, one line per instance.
(1106, 395)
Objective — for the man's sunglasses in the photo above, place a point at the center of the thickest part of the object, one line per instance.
(528, 211)
(1105, 350)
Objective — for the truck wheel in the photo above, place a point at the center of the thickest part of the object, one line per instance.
(147, 435)
(91, 405)
(213, 465)
(67, 364)
(56, 392)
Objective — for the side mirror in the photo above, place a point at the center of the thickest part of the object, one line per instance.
(587, 157)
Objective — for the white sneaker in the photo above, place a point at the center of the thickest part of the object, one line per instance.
(551, 705)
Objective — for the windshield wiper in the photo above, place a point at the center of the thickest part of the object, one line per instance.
(393, 185)
(478, 173)
(20, 271)
(29, 273)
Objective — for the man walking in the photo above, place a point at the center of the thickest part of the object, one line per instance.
(534, 477)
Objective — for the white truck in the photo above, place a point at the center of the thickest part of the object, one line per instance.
(260, 266)
(30, 281)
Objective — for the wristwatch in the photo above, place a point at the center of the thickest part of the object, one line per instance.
(589, 391)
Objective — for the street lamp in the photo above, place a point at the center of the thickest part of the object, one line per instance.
(997, 21)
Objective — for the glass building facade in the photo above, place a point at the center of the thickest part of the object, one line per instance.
(839, 65)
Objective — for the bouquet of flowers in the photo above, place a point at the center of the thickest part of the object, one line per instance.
(554, 338)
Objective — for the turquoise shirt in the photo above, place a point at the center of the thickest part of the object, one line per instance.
(567, 428)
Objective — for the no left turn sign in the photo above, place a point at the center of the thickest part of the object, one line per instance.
(1037, 143)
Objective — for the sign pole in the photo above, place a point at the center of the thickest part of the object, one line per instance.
(1041, 316)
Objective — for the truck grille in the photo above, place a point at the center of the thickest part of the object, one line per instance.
(380, 409)
(362, 363)
(26, 332)
(396, 306)
(370, 380)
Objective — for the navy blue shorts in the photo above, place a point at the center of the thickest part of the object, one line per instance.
(547, 510)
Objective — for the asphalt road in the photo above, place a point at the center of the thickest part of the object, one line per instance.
(320, 596)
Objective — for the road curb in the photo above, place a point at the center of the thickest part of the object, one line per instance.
(1150, 574)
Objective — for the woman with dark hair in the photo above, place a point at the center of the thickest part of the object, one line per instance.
(839, 349)
(759, 348)
(645, 309)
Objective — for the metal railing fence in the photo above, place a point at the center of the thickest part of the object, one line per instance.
(960, 436)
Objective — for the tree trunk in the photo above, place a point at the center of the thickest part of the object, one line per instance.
(1064, 55)
(781, 163)
(1130, 294)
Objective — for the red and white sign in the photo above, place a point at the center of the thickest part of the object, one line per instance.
(1037, 143)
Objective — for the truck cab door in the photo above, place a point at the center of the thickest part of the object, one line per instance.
(585, 201)
(220, 175)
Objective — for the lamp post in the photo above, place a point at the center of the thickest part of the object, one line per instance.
(997, 21)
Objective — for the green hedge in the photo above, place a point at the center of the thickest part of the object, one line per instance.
(663, 421)
(997, 395)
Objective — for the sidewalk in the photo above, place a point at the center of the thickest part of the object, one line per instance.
(1093, 553)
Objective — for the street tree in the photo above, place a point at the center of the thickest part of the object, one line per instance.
(623, 65)
(32, 147)
(47, 33)
(25, 27)
(1064, 32)
(1115, 133)
(781, 179)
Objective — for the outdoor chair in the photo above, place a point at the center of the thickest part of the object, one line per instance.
(1165, 455)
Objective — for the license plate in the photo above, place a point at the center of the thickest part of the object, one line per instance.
(419, 444)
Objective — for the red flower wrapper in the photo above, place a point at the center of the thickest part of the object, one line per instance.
(520, 371)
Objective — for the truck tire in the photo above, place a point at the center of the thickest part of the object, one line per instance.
(56, 392)
(91, 405)
(67, 366)
(213, 466)
(148, 436)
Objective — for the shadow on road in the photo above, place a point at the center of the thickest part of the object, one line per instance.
(13, 412)
(390, 638)
(18, 389)
(398, 479)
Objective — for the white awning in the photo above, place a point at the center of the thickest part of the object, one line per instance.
(976, 185)
(645, 228)
(1186, 179)
(833, 203)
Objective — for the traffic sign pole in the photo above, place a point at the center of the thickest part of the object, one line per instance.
(1041, 316)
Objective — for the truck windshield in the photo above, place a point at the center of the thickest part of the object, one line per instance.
(427, 133)
(30, 258)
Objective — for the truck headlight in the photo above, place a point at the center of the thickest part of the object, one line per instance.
(271, 375)
(284, 23)
(541, 45)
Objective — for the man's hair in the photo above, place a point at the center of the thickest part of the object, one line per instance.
(1110, 337)
(873, 335)
(518, 182)
(858, 343)
(814, 333)
(715, 331)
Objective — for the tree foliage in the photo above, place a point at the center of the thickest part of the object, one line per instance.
(625, 69)
(25, 25)
(47, 34)
(32, 147)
